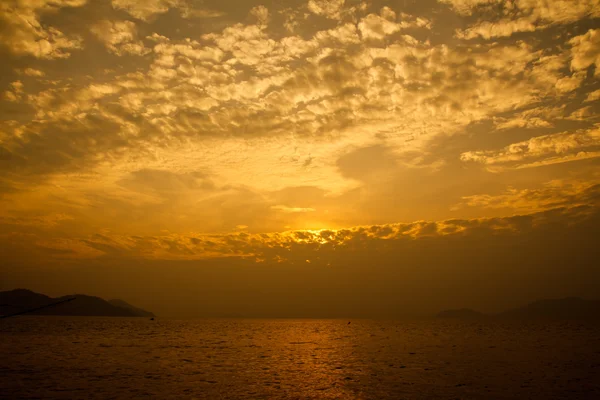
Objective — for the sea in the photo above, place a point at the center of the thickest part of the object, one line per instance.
(131, 358)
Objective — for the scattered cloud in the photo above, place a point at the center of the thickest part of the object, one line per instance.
(551, 195)
(521, 15)
(119, 37)
(541, 150)
(586, 50)
(287, 209)
(467, 7)
(328, 8)
(324, 246)
(46, 221)
(301, 115)
(31, 72)
(261, 13)
(593, 96)
(146, 10)
(23, 33)
(391, 144)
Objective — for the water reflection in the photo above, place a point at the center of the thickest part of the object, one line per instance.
(292, 359)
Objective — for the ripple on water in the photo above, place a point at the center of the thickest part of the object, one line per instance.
(78, 358)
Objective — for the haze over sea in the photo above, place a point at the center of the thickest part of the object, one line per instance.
(78, 357)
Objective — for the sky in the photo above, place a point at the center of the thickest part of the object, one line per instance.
(301, 157)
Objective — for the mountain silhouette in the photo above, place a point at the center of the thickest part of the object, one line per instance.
(463, 313)
(138, 311)
(20, 300)
(566, 308)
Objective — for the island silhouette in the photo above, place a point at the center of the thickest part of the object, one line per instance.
(24, 301)
(565, 308)
(21, 300)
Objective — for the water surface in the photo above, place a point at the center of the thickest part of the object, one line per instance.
(70, 358)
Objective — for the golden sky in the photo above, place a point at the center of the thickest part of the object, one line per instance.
(191, 137)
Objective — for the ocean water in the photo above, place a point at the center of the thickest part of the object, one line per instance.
(87, 358)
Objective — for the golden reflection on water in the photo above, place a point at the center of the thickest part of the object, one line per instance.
(295, 359)
(318, 358)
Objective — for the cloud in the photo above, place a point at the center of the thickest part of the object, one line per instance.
(328, 8)
(135, 136)
(593, 96)
(552, 194)
(524, 123)
(166, 183)
(532, 118)
(333, 83)
(15, 93)
(286, 209)
(119, 37)
(522, 15)
(291, 19)
(32, 72)
(582, 114)
(201, 104)
(322, 246)
(376, 27)
(23, 34)
(261, 13)
(586, 50)
(467, 7)
(45, 221)
(147, 9)
(367, 162)
(190, 12)
(369, 109)
(386, 270)
(541, 150)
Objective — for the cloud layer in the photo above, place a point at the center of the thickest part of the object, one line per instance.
(183, 130)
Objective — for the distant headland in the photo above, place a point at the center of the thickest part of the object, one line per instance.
(566, 308)
(21, 300)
